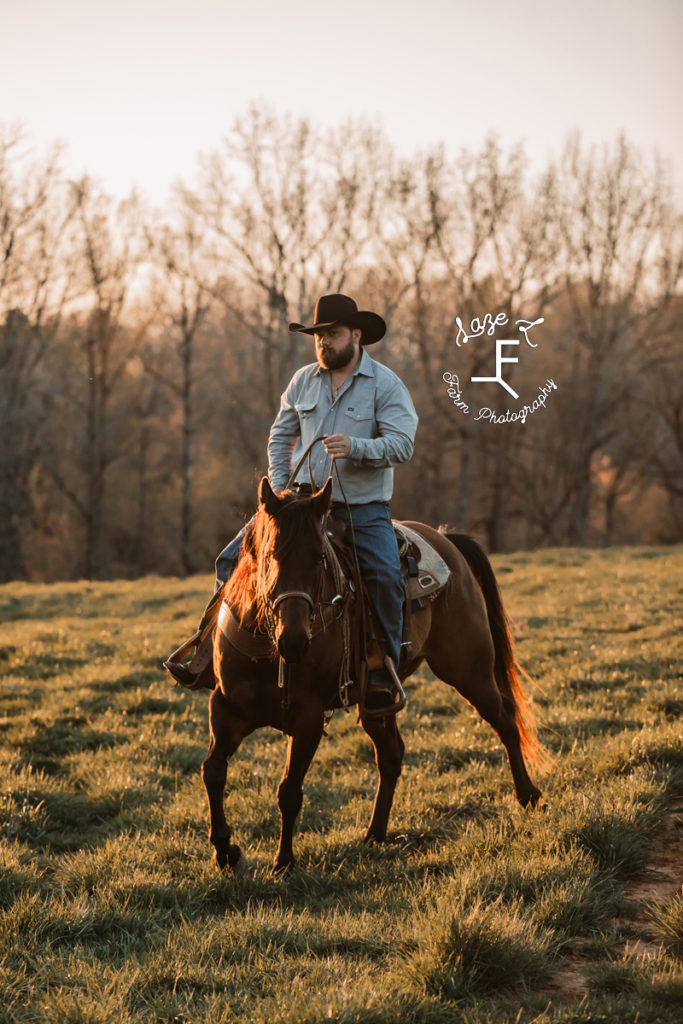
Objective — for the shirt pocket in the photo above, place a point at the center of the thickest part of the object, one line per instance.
(359, 418)
(305, 409)
(308, 420)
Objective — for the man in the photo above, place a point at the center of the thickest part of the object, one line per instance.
(368, 421)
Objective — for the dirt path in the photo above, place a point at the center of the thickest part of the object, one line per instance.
(661, 880)
(663, 875)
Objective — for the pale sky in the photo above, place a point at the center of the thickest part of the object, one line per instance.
(137, 88)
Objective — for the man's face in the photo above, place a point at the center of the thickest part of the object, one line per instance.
(336, 347)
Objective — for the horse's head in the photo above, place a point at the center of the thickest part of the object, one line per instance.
(290, 563)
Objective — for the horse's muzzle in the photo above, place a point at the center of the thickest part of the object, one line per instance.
(293, 608)
(293, 645)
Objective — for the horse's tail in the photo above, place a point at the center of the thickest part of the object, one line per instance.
(506, 668)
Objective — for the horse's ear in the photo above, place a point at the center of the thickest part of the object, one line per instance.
(267, 497)
(321, 501)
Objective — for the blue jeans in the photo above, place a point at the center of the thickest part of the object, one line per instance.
(379, 562)
(229, 556)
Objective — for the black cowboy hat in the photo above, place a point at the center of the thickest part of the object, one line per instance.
(340, 309)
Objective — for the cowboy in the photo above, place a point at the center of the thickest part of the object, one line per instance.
(368, 421)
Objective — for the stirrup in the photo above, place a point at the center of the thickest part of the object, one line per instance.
(181, 673)
(396, 705)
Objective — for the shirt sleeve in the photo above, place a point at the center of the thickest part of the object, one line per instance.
(283, 437)
(397, 422)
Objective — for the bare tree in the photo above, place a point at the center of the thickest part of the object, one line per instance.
(36, 283)
(139, 371)
(96, 347)
(189, 280)
(659, 398)
(290, 211)
(621, 263)
(471, 240)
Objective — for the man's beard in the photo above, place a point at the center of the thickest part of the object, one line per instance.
(333, 360)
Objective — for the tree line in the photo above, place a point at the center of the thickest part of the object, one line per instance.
(143, 351)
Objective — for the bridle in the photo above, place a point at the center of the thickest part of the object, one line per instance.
(285, 596)
(272, 607)
(344, 593)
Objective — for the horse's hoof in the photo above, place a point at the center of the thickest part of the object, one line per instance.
(370, 839)
(231, 861)
(240, 869)
(282, 870)
(221, 860)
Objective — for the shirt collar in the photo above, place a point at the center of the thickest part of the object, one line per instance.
(365, 365)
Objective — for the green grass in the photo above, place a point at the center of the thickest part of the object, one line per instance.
(111, 909)
(667, 921)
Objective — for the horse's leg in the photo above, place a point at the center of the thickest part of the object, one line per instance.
(499, 711)
(300, 752)
(481, 690)
(506, 726)
(226, 733)
(389, 749)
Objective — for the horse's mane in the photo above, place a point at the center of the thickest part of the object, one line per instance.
(256, 571)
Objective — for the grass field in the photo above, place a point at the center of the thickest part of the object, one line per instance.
(111, 908)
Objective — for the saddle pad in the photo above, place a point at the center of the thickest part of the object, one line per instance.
(433, 573)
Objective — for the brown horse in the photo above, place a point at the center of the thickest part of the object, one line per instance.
(282, 585)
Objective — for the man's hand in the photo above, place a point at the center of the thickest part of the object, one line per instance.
(337, 445)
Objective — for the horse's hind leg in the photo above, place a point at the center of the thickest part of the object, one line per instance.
(226, 732)
(504, 722)
(499, 711)
(389, 749)
(300, 752)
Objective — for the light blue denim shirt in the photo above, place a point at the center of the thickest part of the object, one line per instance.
(373, 408)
